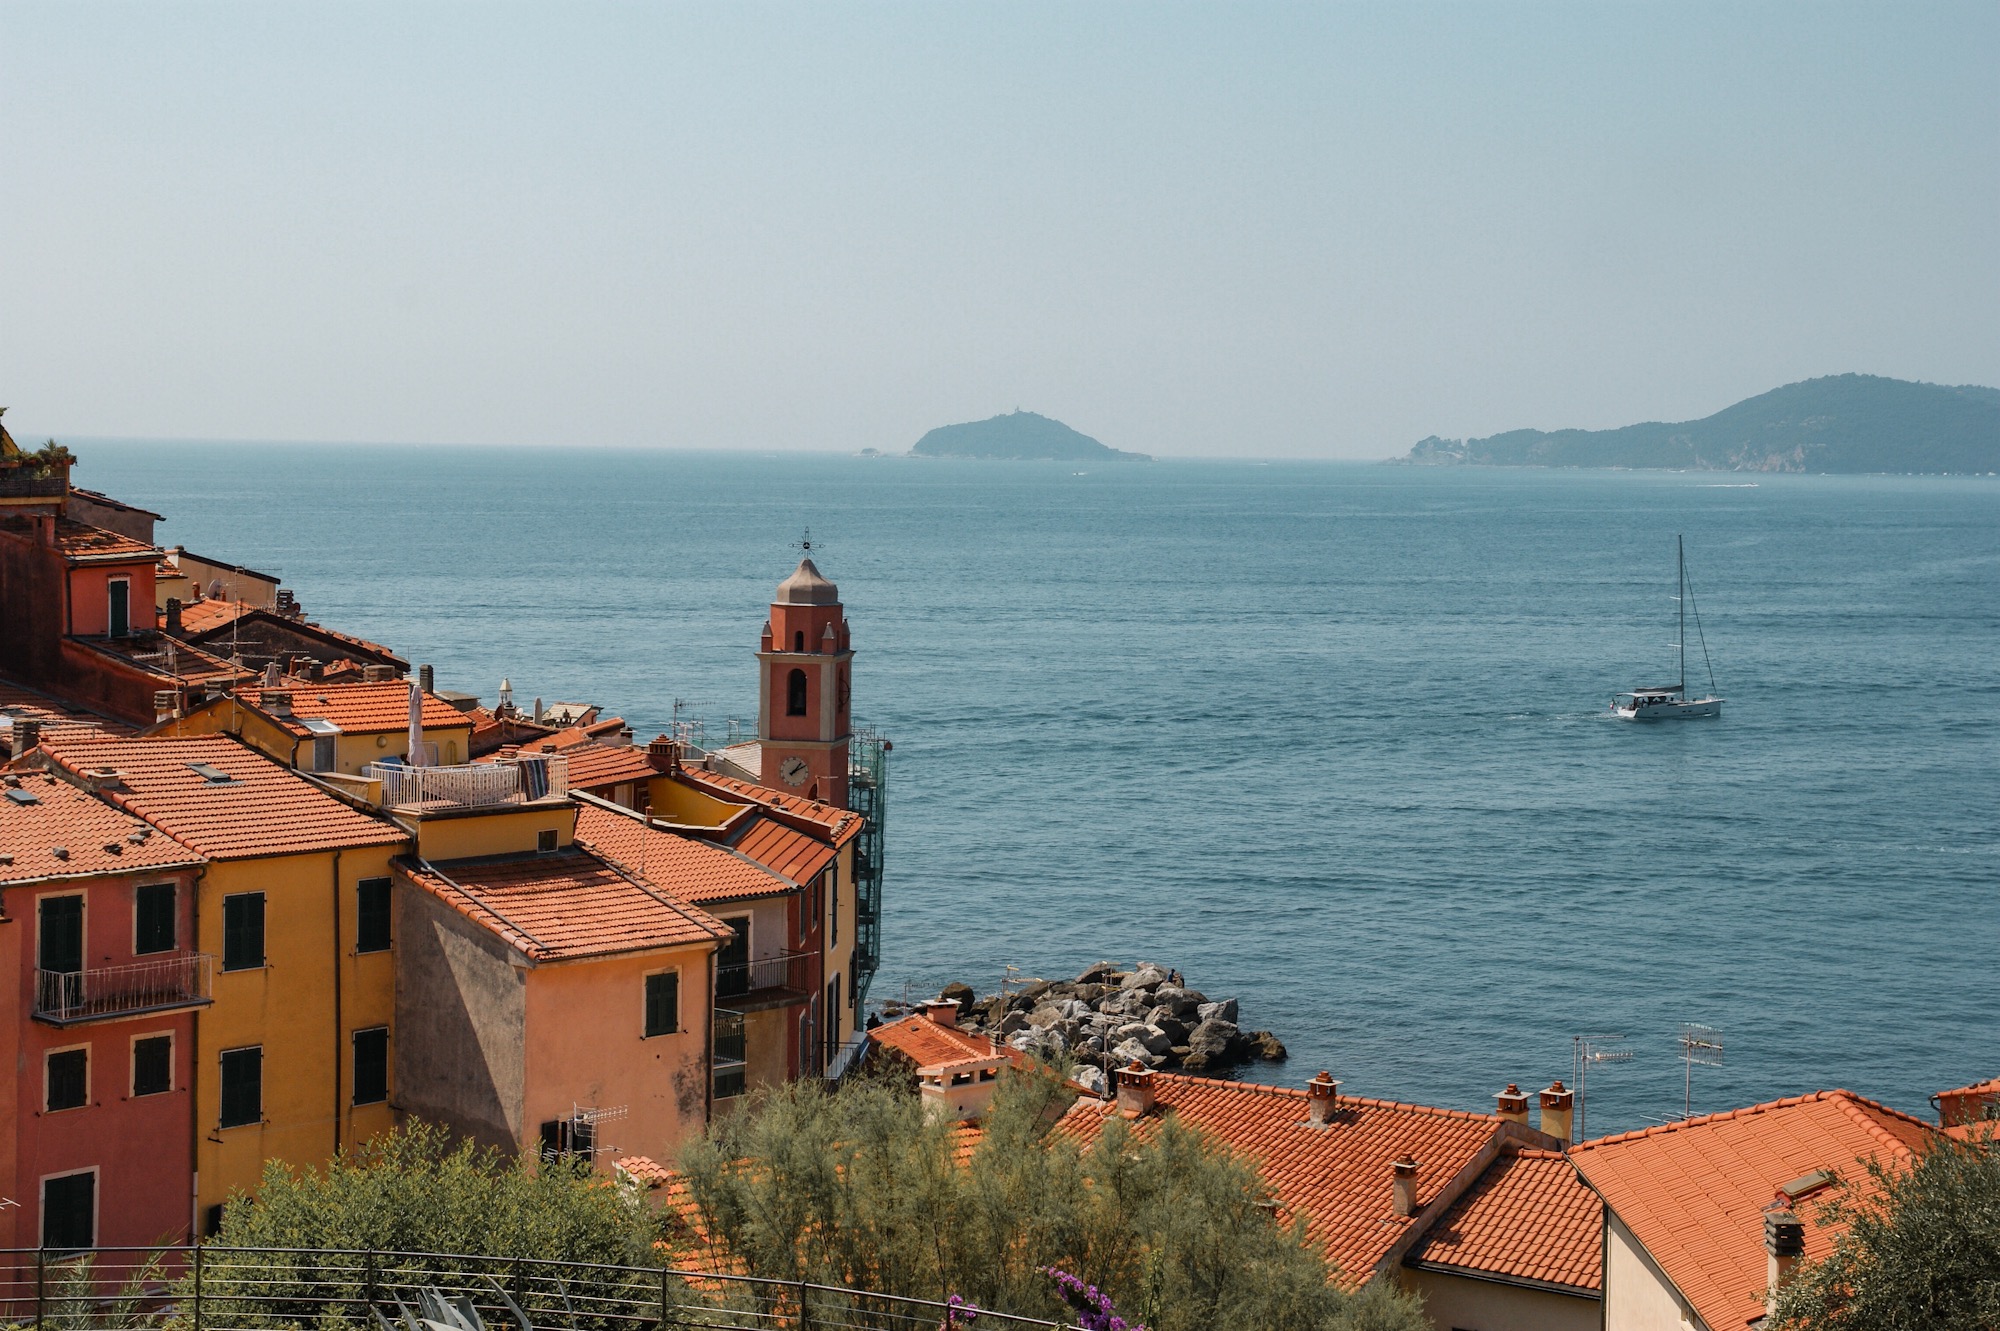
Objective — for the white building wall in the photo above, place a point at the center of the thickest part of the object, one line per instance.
(1460, 1303)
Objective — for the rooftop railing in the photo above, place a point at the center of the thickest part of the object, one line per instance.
(519, 780)
(182, 979)
(29, 482)
(780, 973)
(213, 1288)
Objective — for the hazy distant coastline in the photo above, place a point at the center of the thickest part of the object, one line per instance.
(1018, 436)
(1844, 423)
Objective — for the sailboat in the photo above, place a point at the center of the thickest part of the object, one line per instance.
(1671, 702)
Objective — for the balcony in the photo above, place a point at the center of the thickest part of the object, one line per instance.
(522, 780)
(159, 984)
(780, 980)
(729, 1059)
(28, 482)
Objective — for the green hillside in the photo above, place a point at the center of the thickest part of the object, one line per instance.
(1018, 436)
(1842, 423)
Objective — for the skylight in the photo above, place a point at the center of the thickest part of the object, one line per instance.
(24, 797)
(215, 776)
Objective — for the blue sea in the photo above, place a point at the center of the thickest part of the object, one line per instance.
(1331, 738)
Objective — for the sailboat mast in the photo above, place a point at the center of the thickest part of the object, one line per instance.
(1681, 560)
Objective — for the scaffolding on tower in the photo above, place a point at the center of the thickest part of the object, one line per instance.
(867, 795)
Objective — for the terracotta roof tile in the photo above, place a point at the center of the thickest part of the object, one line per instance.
(83, 543)
(1529, 1218)
(564, 906)
(781, 849)
(927, 1044)
(166, 660)
(839, 823)
(261, 809)
(594, 765)
(683, 867)
(41, 815)
(198, 617)
(361, 709)
(1339, 1176)
(1693, 1193)
(54, 715)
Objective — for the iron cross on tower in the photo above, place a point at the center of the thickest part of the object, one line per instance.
(804, 545)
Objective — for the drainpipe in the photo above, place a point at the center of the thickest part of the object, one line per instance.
(339, 1022)
(708, 1047)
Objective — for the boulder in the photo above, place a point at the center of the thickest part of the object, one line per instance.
(1033, 993)
(1164, 1020)
(1267, 1047)
(1091, 993)
(960, 994)
(1014, 1021)
(1148, 977)
(994, 1010)
(1223, 1011)
(1179, 1053)
(1132, 1050)
(1213, 1043)
(1090, 1078)
(1045, 1016)
(1097, 974)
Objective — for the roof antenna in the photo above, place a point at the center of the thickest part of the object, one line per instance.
(1699, 1044)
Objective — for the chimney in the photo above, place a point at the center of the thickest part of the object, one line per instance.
(1557, 1105)
(45, 529)
(624, 738)
(278, 702)
(538, 711)
(943, 1011)
(664, 753)
(274, 675)
(959, 1091)
(1784, 1249)
(1135, 1090)
(164, 704)
(173, 614)
(27, 734)
(1322, 1099)
(1403, 1185)
(1512, 1105)
(426, 679)
(378, 674)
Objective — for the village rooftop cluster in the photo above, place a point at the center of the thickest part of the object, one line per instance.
(263, 896)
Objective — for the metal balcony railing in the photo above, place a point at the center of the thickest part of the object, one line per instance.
(183, 979)
(786, 971)
(472, 785)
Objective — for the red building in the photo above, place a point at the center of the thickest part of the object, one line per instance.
(99, 984)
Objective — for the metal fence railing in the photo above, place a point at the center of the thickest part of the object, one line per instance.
(211, 1288)
(179, 979)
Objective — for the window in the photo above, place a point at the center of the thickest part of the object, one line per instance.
(728, 1082)
(663, 1003)
(324, 759)
(121, 607)
(153, 918)
(243, 931)
(564, 1137)
(795, 693)
(833, 1012)
(371, 1065)
(833, 904)
(242, 1086)
(732, 961)
(545, 841)
(152, 1065)
(66, 1083)
(799, 641)
(60, 945)
(371, 915)
(69, 1211)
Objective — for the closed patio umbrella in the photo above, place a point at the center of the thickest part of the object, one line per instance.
(416, 757)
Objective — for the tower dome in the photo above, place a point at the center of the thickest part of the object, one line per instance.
(806, 586)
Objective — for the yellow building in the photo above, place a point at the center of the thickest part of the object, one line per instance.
(333, 730)
(293, 1058)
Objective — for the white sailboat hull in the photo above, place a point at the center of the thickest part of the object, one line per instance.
(1677, 709)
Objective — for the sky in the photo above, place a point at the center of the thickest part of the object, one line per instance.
(1188, 230)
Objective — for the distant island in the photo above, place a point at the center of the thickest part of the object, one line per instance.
(1842, 423)
(1019, 436)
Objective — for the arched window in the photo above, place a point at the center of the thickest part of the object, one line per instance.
(799, 641)
(795, 693)
(843, 691)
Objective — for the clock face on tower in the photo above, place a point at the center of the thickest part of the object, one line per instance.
(794, 770)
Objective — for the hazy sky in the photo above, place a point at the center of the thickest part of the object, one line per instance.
(1208, 230)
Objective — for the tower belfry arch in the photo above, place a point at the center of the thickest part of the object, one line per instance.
(804, 697)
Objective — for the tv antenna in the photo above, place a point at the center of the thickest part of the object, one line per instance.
(1699, 1044)
(1586, 1050)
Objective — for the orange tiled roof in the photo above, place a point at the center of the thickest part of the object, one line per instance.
(927, 1044)
(840, 824)
(199, 617)
(1339, 1176)
(594, 765)
(170, 662)
(360, 709)
(54, 715)
(684, 867)
(261, 809)
(1693, 1193)
(781, 849)
(82, 543)
(1989, 1087)
(41, 815)
(1528, 1218)
(564, 906)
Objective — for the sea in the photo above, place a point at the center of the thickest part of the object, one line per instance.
(1329, 738)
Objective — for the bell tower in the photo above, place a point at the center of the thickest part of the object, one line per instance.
(803, 718)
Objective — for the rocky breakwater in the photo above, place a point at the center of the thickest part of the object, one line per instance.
(1108, 1016)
